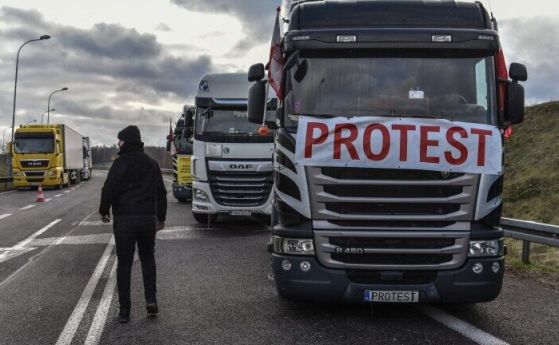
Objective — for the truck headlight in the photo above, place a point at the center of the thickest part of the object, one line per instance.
(53, 173)
(486, 248)
(293, 246)
(200, 195)
(214, 150)
(19, 174)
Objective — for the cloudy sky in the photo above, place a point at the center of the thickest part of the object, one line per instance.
(140, 61)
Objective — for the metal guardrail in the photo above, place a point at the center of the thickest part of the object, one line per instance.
(5, 181)
(530, 232)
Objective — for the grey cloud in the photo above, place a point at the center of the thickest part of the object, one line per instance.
(532, 41)
(163, 27)
(110, 40)
(256, 16)
(109, 69)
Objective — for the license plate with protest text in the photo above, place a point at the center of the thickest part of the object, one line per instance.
(240, 213)
(391, 296)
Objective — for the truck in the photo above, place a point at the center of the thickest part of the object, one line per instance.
(180, 148)
(232, 161)
(389, 150)
(87, 160)
(46, 155)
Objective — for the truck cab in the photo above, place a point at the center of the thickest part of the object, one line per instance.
(371, 204)
(232, 161)
(47, 155)
(180, 147)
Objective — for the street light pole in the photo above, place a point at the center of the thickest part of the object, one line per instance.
(48, 106)
(44, 37)
(42, 116)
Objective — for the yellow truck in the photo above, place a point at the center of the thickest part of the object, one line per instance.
(46, 155)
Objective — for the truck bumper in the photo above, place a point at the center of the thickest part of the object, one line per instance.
(334, 285)
(212, 207)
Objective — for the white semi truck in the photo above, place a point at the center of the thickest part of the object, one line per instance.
(232, 162)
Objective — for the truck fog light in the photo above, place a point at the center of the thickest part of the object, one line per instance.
(53, 173)
(496, 267)
(286, 265)
(200, 195)
(305, 266)
(477, 268)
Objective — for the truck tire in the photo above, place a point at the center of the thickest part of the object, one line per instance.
(203, 218)
(60, 185)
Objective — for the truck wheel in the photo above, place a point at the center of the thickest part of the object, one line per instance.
(203, 218)
(60, 185)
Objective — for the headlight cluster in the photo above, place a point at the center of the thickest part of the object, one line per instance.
(53, 173)
(486, 248)
(200, 195)
(19, 174)
(293, 246)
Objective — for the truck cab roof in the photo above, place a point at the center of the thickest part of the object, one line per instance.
(223, 88)
(399, 24)
(384, 13)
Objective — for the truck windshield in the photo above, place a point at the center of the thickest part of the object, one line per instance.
(227, 125)
(43, 143)
(449, 85)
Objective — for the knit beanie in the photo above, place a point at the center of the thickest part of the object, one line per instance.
(130, 135)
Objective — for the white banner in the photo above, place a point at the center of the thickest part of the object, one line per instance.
(399, 143)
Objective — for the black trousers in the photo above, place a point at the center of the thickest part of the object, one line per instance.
(129, 231)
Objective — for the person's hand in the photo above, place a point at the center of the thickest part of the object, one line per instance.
(105, 218)
(159, 226)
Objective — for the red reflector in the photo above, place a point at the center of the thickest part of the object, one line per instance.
(508, 132)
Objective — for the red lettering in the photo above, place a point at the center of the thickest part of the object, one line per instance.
(310, 140)
(347, 141)
(425, 143)
(457, 145)
(385, 142)
(482, 133)
(404, 129)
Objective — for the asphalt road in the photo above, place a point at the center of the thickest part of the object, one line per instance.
(57, 286)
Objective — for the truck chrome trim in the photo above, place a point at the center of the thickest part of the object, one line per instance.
(452, 256)
(459, 206)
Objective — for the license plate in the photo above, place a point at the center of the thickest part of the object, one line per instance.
(391, 296)
(240, 213)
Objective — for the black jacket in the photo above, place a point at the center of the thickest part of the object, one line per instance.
(134, 185)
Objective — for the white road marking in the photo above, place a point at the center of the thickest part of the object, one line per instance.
(95, 223)
(73, 322)
(58, 195)
(22, 246)
(67, 191)
(2, 216)
(47, 200)
(460, 326)
(98, 323)
(73, 188)
(27, 207)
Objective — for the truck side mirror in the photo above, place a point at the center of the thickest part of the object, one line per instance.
(256, 72)
(518, 72)
(256, 102)
(514, 112)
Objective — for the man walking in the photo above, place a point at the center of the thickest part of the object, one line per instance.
(134, 189)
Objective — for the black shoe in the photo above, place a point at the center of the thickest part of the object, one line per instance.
(152, 308)
(124, 315)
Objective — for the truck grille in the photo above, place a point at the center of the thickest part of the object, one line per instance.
(35, 176)
(362, 194)
(34, 163)
(240, 189)
(382, 250)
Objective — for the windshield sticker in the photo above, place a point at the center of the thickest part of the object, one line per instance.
(399, 143)
(416, 94)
